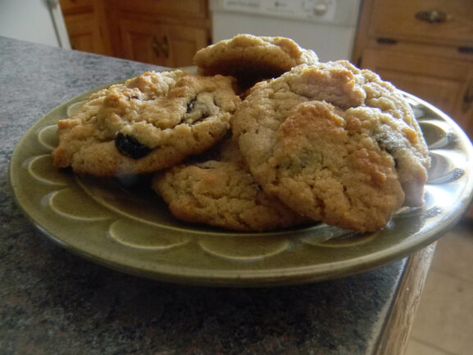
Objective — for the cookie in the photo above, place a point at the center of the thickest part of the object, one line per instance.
(335, 144)
(251, 58)
(222, 193)
(328, 166)
(402, 137)
(146, 124)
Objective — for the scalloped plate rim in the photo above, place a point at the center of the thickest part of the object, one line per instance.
(260, 277)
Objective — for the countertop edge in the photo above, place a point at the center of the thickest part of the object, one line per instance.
(397, 327)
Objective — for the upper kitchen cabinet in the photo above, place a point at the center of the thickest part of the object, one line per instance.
(424, 47)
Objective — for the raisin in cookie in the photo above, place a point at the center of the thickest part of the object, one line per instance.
(148, 123)
(222, 193)
(252, 58)
(335, 144)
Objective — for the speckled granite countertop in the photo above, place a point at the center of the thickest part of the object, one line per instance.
(52, 302)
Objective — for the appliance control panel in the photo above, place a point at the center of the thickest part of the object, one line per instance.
(319, 10)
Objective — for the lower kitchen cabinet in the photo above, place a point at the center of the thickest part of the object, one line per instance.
(446, 83)
(162, 44)
(161, 32)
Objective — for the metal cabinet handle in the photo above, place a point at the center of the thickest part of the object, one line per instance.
(467, 98)
(432, 16)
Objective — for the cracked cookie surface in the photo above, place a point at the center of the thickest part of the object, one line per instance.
(334, 143)
(252, 58)
(146, 124)
(224, 194)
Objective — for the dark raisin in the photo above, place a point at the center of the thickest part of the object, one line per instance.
(130, 146)
(190, 105)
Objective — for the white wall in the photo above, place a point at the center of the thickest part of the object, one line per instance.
(32, 20)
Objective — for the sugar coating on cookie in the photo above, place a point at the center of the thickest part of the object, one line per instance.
(252, 58)
(304, 135)
(148, 123)
(222, 193)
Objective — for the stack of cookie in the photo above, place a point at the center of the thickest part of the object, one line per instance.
(294, 140)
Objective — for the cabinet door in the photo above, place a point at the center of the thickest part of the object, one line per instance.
(183, 43)
(433, 21)
(70, 7)
(84, 33)
(170, 8)
(166, 45)
(444, 83)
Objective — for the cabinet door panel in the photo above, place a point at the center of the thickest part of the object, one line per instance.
(84, 34)
(139, 42)
(183, 43)
(161, 44)
(76, 6)
(439, 81)
(433, 21)
(181, 8)
(438, 91)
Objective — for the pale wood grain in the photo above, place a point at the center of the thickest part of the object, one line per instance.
(143, 41)
(395, 20)
(86, 26)
(137, 29)
(397, 328)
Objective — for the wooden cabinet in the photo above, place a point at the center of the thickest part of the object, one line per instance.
(86, 26)
(157, 43)
(83, 34)
(424, 47)
(162, 32)
(437, 22)
(76, 6)
(441, 81)
(168, 9)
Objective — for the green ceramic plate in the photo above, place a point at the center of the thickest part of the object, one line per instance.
(123, 225)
